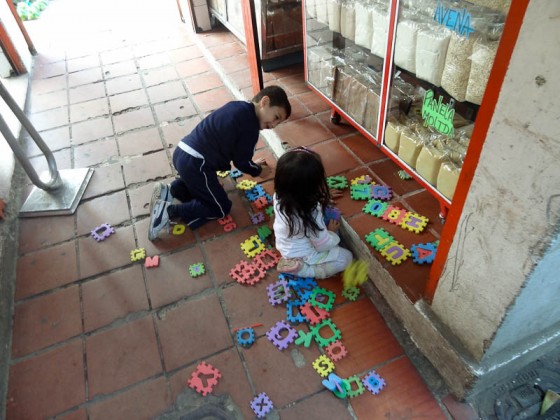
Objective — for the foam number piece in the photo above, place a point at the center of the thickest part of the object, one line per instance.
(382, 192)
(178, 229)
(252, 246)
(355, 274)
(395, 253)
(326, 324)
(323, 365)
(338, 386)
(356, 386)
(414, 222)
(151, 261)
(336, 351)
(228, 223)
(210, 375)
(196, 269)
(314, 314)
(246, 337)
(337, 182)
(137, 254)
(278, 292)
(261, 405)
(304, 338)
(297, 317)
(266, 259)
(257, 218)
(379, 239)
(274, 335)
(246, 185)
(351, 293)
(318, 294)
(424, 253)
(264, 232)
(360, 192)
(235, 173)
(394, 215)
(100, 233)
(375, 208)
(373, 382)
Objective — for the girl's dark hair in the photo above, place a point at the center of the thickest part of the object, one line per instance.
(299, 183)
(277, 97)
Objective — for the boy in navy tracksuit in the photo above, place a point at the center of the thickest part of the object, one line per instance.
(228, 134)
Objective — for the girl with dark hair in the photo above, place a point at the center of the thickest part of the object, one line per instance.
(308, 247)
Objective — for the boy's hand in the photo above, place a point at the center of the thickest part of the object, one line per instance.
(265, 171)
(261, 161)
(333, 225)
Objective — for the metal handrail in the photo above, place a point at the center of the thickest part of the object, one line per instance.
(54, 181)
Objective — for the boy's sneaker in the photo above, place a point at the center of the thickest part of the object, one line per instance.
(161, 192)
(289, 265)
(159, 218)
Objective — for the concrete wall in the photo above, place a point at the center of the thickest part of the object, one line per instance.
(499, 279)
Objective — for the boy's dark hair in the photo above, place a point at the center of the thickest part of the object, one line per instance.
(299, 183)
(277, 97)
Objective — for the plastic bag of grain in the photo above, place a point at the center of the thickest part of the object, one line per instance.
(429, 162)
(357, 101)
(455, 76)
(482, 60)
(364, 23)
(448, 178)
(410, 144)
(348, 19)
(310, 8)
(344, 76)
(333, 14)
(405, 44)
(380, 21)
(322, 11)
(393, 134)
(500, 5)
(431, 48)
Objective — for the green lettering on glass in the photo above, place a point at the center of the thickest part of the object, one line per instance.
(437, 114)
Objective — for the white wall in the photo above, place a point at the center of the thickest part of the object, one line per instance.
(512, 212)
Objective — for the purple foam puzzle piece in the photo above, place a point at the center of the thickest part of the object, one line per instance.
(261, 405)
(102, 231)
(276, 338)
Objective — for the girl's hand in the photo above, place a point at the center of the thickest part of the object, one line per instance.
(334, 225)
(335, 194)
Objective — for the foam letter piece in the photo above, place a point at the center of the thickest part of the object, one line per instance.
(178, 229)
(355, 380)
(323, 365)
(373, 382)
(261, 405)
(379, 239)
(152, 261)
(337, 182)
(246, 337)
(319, 292)
(424, 253)
(264, 232)
(324, 342)
(296, 318)
(276, 338)
(242, 272)
(304, 338)
(235, 173)
(395, 253)
(351, 293)
(336, 385)
(137, 254)
(314, 314)
(266, 259)
(336, 351)
(252, 246)
(257, 218)
(204, 369)
(394, 215)
(375, 208)
(256, 192)
(303, 287)
(414, 222)
(246, 185)
(101, 232)
(278, 292)
(381, 192)
(196, 269)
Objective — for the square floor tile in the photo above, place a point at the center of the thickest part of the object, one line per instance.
(40, 86)
(313, 102)
(147, 168)
(46, 320)
(341, 129)
(404, 396)
(139, 142)
(363, 148)
(99, 257)
(298, 110)
(95, 153)
(348, 206)
(116, 55)
(133, 119)
(174, 131)
(242, 80)
(89, 130)
(123, 84)
(194, 66)
(212, 99)
(122, 68)
(48, 101)
(48, 70)
(366, 337)
(47, 384)
(159, 59)
(105, 179)
(122, 356)
(184, 331)
(46, 269)
(387, 171)
(285, 375)
(323, 405)
(292, 132)
(87, 92)
(166, 242)
(126, 101)
(79, 414)
(52, 118)
(144, 401)
(56, 139)
(111, 209)
(172, 281)
(203, 82)
(335, 157)
(156, 76)
(186, 53)
(166, 91)
(82, 63)
(84, 77)
(40, 232)
(177, 109)
(113, 296)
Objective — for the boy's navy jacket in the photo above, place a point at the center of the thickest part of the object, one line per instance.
(229, 134)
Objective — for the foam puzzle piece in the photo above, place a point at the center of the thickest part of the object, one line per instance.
(424, 253)
(302, 287)
(318, 294)
(326, 324)
(338, 386)
(379, 239)
(356, 386)
(373, 382)
(245, 185)
(151, 262)
(404, 175)
(137, 254)
(381, 192)
(235, 173)
(267, 259)
(414, 222)
(355, 274)
(360, 192)
(362, 179)
(323, 365)
(331, 213)
(246, 337)
(375, 207)
(222, 174)
(337, 182)
(304, 338)
(252, 246)
(246, 273)
(314, 314)
(255, 192)
(102, 232)
(257, 218)
(394, 215)
(275, 335)
(197, 269)
(210, 375)
(395, 253)
(293, 312)
(178, 229)
(228, 223)
(351, 293)
(269, 211)
(264, 232)
(261, 405)
(336, 351)
(278, 292)
(261, 202)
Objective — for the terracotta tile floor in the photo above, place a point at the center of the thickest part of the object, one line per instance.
(98, 336)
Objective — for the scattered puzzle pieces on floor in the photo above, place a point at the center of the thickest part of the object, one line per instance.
(197, 269)
(267, 259)
(314, 314)
(362, 179)
(211, 376)
(338, 386)
(379, 239)
(424, 253)
(355, 274)
(323, 365)
(359, 386)
(235, 173)
(318, 294)
(373, 382)
(254, 193)
(246, 185)
(336, 351)
(381, 192)
(403, 175)
(414, 222)
(337, 182)
(395, 253)
(246, 337)
(278, 292)
(326, 324)
(252, 246)
(304, 338)
(137, 254)
(152, 261)
(351, 293)
(360, 191)
(293, 312)
(396, 215)
(261, 405)
(277, 336)
(101, 232)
